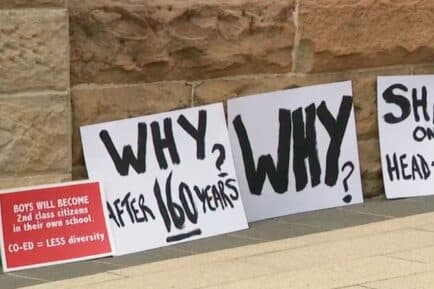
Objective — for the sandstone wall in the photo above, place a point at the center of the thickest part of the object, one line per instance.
(131, 58)
(151, 40)
(35, 116)
(136, 57)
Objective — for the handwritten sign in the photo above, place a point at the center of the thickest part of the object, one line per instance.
(169, 177)
(406, 133)
(53, 224)
(295, 150)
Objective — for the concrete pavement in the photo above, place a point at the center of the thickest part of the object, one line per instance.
(380, 244)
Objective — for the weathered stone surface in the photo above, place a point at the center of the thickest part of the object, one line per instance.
(31, 3)
(95, 104)
(370, 167)
(35, 135)
(364, 89)
(340, 34)
(33, 50)
(79, 172)
(365, 95)
(152, 40)
(33, 180)
(423, 69)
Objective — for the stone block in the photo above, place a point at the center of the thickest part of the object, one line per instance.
(423, 69)
(33, 50)
(370, 167)
(339, 35)
(33, 180)
(35, 135)
(95, 104)
(8, 4)
(79, 172)
(150, 40)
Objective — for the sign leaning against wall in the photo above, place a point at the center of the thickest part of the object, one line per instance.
(406, 133)
(296, 150)
(168, 177)
(53, 224)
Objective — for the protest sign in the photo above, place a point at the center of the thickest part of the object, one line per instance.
(295, 150)
(169, 177)
(53, 224)
(406, 134)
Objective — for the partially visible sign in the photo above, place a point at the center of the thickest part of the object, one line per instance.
(296, 150)
(169, 177)
(406, 133)
(53, 224)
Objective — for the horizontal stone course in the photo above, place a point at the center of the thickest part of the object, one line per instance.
(136, 41)
(340, 35)
(423, 69)
(7, 4)
(148, 41)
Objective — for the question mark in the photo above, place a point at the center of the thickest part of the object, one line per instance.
(347, 199)
(222, 155)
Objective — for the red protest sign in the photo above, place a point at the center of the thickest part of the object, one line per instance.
(53, 224)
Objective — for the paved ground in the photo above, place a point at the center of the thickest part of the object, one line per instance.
(357, 247)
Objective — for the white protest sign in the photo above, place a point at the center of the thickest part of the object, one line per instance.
(168, 177)
(406, 133)
(295, 150)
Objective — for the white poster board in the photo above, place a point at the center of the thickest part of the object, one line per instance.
(285, 159)
(406, 133)
(168, 177)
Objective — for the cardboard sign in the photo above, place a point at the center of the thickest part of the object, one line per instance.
(53, 224)
(169, 177)
(295, 150)
(406, 133)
